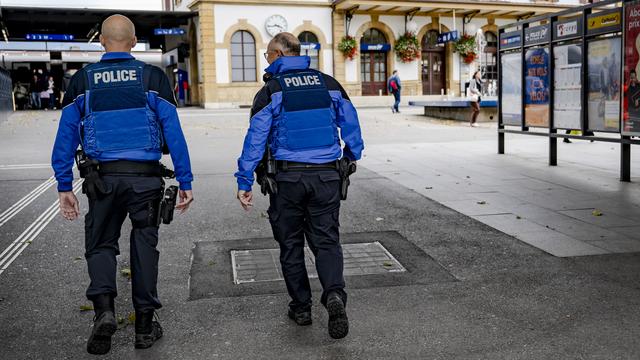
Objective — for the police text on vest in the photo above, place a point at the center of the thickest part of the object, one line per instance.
(112, 76)
(305, 80)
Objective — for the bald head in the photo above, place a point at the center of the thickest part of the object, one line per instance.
(118, 34)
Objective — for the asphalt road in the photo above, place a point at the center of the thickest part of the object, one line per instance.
(504, 299)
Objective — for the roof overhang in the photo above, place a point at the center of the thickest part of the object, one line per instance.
(20, 21)
(497, 9)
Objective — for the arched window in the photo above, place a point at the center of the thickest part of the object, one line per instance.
(373, 36)
(243, 57)
(430, 41)
(488, 58)
(307, 40)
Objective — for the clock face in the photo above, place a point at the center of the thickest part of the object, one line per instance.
(275, 24)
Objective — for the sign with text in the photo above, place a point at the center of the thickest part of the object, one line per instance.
(537, 87)
(536, 35)
(448, 37)
(375, 47)
(604, 62)
(173, 31)
(631, 87)
(604, 22)
(510, 40)
(309, 46)
(49, 37)
(567, 29)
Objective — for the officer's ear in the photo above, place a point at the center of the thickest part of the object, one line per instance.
(134, 42)
(102, 41)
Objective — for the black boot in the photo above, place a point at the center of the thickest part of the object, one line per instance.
(147, 329)
(104, 325)
(301, 317)
(338, 321)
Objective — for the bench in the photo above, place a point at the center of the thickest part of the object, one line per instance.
(458, 109)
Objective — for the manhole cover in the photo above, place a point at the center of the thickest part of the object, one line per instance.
(359, 259)
(252, 266)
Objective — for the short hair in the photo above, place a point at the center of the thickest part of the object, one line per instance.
(395, 71)
(288, 42)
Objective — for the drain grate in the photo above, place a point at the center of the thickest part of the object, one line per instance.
(359, 259)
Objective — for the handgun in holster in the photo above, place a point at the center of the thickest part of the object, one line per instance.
(168, 205)
(266, 174)
(93, 185)
(346, 169)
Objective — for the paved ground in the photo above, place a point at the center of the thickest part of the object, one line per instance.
(501, 298)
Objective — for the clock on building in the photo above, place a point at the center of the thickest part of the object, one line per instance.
(275, 24)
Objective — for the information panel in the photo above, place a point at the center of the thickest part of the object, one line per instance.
(631, 102)
(511, 88)
(536, 100)
(604, 66)
(567, 83)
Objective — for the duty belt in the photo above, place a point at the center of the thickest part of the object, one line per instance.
(134, 168)
(297, 166)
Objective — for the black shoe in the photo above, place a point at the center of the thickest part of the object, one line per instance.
(566, 141)
(393, 110)
(148, 331)
(302, 318)
(104, 326)
(338, 321)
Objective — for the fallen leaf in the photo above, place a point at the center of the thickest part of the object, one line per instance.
(126, 272)
(264, 215)
(596, 212)
(131, 318)
(387, 264)
(120, 320)
(388, 160)
(211, 263)
(428, 187)
(379, 219)
(518, 217)
(481, 202)
(86, 307)
(77, 258)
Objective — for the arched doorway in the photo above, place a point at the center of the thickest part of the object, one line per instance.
(310, 46)
(433, 64)
(373, 62)
(489, 60)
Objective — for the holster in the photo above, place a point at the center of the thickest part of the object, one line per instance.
(266, 174)
(93, 186)
(346, 168)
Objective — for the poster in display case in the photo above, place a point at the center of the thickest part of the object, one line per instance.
(537, 87)
(604, 66)
(511, 88)
(631, 87)
(567, 85)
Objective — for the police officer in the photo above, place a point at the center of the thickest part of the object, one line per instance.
(296, 116)
(121, 112)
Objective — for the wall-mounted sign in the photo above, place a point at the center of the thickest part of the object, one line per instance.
(537, 35)
(49, 37)
(604, 22)
(375, 47)
(631, 85)
(510, 40)
(448, 36)
(174, 31)
(567, 29)
(536, 99)
(309, 46)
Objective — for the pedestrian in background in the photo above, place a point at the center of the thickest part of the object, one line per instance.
(394, 87)
(475, 92)
(34, 88)
(51, 90)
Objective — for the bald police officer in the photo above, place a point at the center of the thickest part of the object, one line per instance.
(296, 117)
(122, 113)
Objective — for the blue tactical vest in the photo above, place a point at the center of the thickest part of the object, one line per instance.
(307, 119)
(117, 116)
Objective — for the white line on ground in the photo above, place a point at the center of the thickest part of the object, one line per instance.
(22, 242)
(25, 201)
(25, 166)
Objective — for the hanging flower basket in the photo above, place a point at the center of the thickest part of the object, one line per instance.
(407, 47)
(348, 46)
(466, 47)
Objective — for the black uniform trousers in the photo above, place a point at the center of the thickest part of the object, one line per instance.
(139, 197)
(307, 205)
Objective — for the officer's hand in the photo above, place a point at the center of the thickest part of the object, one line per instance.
(69, 206)
(186, 198)
(246, 199)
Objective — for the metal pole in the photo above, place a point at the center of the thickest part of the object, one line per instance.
(553, 141)
(625, 160)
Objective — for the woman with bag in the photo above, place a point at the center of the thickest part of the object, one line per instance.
(475, 87)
